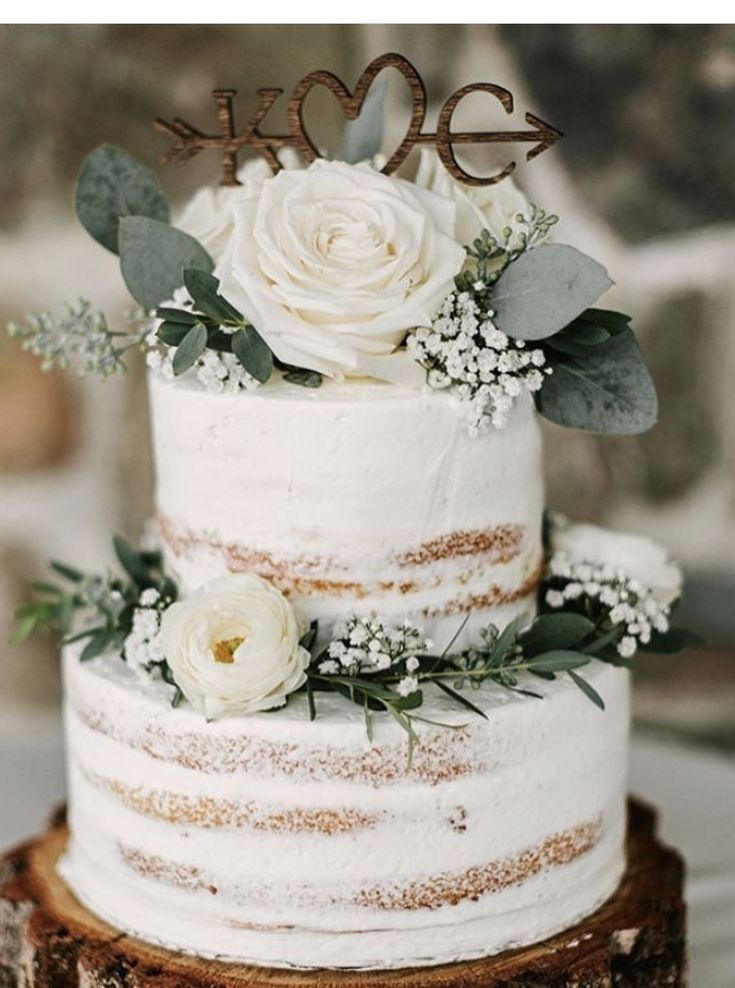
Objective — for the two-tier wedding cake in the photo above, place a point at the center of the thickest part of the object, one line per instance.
(355, 702)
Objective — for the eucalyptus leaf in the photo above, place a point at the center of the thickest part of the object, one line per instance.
(558, 660)
(113, 184)
(592, 328)
(309, 637)
(310, 698)
(544, 289)
(68, 572)
(182, 316)
(130, 560)
(173, 333)
(362, 138)
(614, 322)
(23, 629)
(253, 353)
(190, 349)
(411, 702)
(97, 644)
(506, 640)
(204, 289)
(609, 391)
(553, 631)
(154, 256)
(459, 698)
(303, 377)
(589, 691)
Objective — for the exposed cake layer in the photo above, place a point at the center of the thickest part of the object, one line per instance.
(274, 840)
(352, 498)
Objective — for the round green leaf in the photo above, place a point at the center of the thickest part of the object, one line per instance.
(154, 256)
(609, 391)
(113, 184)
(544, 289)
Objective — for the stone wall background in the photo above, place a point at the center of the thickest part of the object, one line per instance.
(643, 180)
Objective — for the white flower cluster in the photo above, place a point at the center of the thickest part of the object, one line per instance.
(365, 645)
(629, 604)
(466, 354)
(142, 649)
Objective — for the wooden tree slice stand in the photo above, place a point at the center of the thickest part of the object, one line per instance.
(48, 940)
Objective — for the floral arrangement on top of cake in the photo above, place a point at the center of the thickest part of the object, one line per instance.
(338, 270)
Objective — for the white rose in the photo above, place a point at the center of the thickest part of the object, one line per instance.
(233, 647)
(333, 265)
(639, 557)
(207, 216)
(491, 207)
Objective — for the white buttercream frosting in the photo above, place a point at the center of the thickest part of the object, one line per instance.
(352, 498)
(271, 839)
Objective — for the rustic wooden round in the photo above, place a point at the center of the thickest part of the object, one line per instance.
(48, 940)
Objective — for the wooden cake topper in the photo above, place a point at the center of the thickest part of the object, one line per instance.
(188, 140)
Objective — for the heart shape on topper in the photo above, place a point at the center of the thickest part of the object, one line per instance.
(352, 103)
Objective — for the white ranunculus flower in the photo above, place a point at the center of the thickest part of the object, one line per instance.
(492, 207)
(207, 216)
(233, 647)
(334, 265)
(639, 557)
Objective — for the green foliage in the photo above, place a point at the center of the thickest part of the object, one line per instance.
(154, 257)
(253, 353)
(204, 290)
(79, 339)
(544, 289)
(305, 378)
(544, 293)
(607, 389)
(490, 254)
(113, 184)
(102, 605)
(559, 642)
(190, 349)
(227, 331)
(590, 329)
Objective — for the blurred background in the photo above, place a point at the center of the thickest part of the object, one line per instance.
(643, 180)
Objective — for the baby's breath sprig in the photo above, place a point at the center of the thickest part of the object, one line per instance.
(383, 668)
(465, 354)
(628, 613)
(80, 339)
(111, 612)
(490, 254)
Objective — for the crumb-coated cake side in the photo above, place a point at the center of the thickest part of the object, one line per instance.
(285, 842)
(354, 497)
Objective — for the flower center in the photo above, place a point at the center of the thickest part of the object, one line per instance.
(224, 651)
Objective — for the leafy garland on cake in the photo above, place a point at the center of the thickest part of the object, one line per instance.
(586, 611)
(521, 318)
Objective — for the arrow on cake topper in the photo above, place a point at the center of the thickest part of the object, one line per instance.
(189, 140)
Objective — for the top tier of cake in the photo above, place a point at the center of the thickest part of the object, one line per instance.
(353, 498)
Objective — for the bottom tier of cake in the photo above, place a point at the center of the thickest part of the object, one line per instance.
(274, 840)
